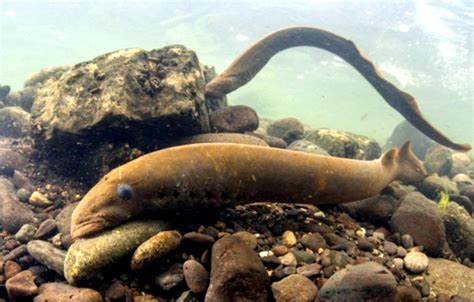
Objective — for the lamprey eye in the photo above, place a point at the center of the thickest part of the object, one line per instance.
(125, 191)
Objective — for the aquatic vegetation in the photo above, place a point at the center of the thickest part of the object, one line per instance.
(443, 200)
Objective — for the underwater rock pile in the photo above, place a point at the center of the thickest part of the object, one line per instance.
(409, 243)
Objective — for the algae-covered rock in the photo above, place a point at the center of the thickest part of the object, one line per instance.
(459, 230)
(450, 278)
(345, 144)
(87, 257)
(155, 248)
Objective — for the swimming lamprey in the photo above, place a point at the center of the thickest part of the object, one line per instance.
(199, 176)
(254, 58)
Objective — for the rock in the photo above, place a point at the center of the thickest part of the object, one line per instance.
(314, 241)
(438, 159)
(38, 199)
(390, 248)
(345, 144)
(360, 282)
(4, 91)
(16, 253)
(25, 233)
(63, 219)
(459, 230)
(379, 208)
(14, 122)
(408, 294)
(407, 241)
(22, 182)
(236, 138)
(461, 162)
(303, 257)
(233, 260)
(238, 119)
(10, 161)
(21, 285)
(365, 245)
(303, 145)
(117, 291)
(450, 278)
(416, 262)
(196, 276)
(10, 269)
(154, 249)
(288, 129)
(172, 278)
(433, 184)
(87, 257)
(420, 217)
(247, 238)
(272, 141)
(279, 250)
(289, 238)
(27, 97)
(309, 270)
(288, 260)
(14, 213)
(39, 77)
(47, 227)
(468, 192)
(406, 132)
(46, 254)
(61, 292)
(127, 96)
(198, 238)
(294, 288)
(463, 201)
(335, 240)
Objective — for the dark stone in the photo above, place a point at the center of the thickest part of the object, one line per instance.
(408, 294)
(463, 201)
(63, 219)
(238, 119)
(335, 240)
(198, 238)
(14, 214)
(468, 192)
(419, 217)
(237, 274)
(10, 161)
(171, 279)
(374, 209)
(272, 141)
(288, 129)
(365, 245)
(313, 241)
(367, 281)
(196, 276)
(47, 227)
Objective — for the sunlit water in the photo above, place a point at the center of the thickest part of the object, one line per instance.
(424, 47)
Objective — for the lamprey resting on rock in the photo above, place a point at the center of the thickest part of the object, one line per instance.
(254, 58)
(200, 176)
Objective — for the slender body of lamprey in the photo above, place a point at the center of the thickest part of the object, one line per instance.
(197, 176)
(254, 58)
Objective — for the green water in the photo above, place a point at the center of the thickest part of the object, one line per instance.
(424, 47)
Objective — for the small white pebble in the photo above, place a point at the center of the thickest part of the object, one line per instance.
(38, 199)
(416, 262)
(265, 254)
(288, 259)
(379, 235)
(319, 214)
(360, 232)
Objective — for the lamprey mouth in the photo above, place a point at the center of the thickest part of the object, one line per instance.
(87, 229)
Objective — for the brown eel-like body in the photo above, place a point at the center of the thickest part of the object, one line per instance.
(254, 58)
(201, 176)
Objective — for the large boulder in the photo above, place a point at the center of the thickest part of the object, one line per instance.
(449, 278)
(344, 144)
(14, 122)
(129, 96)
(459, 230)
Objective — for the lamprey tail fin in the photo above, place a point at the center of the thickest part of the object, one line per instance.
(410, 168)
